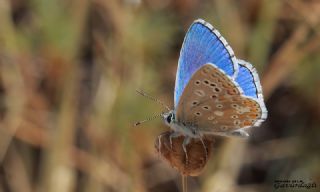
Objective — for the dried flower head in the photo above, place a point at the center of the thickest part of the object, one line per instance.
(198, 155)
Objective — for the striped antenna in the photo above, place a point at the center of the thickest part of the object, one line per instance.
(153, 99)
(148, 119)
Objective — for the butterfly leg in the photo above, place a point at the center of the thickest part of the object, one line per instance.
(205, 148)
(186, 141)
(173, 135)
(203, 144)
(159, 141)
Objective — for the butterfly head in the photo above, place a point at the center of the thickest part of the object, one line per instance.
(169, 118)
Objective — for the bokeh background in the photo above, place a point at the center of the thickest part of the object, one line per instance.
(68, 74)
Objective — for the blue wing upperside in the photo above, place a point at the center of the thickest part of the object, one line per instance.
(249, 82)
(203, 44)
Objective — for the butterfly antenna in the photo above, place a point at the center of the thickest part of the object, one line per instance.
(148, 119)
(153, 99)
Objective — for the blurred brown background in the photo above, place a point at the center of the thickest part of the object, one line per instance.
(68, 74)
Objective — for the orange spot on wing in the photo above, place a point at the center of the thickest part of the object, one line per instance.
(247, 123)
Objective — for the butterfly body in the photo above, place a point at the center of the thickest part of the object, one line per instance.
(185, 128)
(193, 131)
(215, 93)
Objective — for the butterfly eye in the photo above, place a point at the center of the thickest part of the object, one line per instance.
(169, 118)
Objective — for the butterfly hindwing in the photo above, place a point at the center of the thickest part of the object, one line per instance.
(213, 102)
(248, 80)
(202, 44)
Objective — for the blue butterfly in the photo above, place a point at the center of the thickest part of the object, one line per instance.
(215, 93)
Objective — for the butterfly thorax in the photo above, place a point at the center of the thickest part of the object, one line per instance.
(186, 129)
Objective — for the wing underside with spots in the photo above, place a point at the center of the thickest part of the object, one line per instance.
(213, 102)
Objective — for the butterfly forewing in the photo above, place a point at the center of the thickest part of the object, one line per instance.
(202, 44)
(212, 102)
